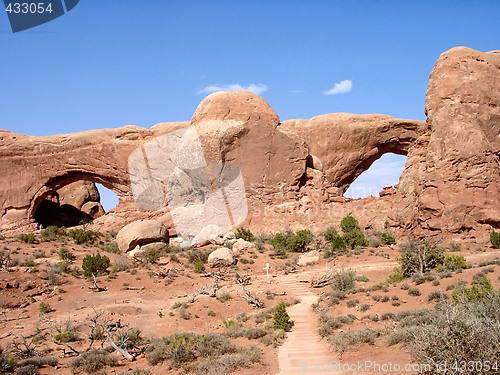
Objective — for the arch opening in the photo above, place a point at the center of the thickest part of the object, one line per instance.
(109, 199)
(384, 171)
(71, 200)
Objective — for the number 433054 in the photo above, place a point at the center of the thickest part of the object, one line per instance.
(29, 8)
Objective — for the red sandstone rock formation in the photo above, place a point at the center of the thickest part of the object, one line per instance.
(295, 171)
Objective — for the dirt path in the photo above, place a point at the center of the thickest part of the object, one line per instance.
(303, 346)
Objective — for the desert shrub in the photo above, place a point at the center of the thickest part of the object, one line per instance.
(345, 340)
(110, 247)
(349, 224)
(224, 297)
(198, 254)
(352, 303)
(228, 363)
(44, 308)
(328, 325)
(81, 236)
(251, 333)
(183, 348)
(480, 290)
(388, 316)
(455, 247)
(292, 242)
(199, 266)
(66, 255)
(95, 265)
(27, 370)
(459, 332)
(92, 361)
(419, 257)
(152, 255)
(419, 278)
(414, 292)
(37, 362)
(135, 372)
(402, 335)
(245, 234)
(387, 239)
(495, 239)
(26, 238)
(395, 276)
(355, 238)
(454, 262)
(52, 232)
(437, 296)
(364, 307)
(344, 280)
(183, 313)
(281, 319)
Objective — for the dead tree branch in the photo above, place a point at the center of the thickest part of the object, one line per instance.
(254, 301)
(324, 280)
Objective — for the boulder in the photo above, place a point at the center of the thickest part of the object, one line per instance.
(141, 232)
(221, 257)
(310, 257)
(241, 246)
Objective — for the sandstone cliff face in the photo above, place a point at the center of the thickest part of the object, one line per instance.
(295, 172)
(453, 182)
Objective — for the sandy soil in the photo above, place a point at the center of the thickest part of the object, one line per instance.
(150, 308)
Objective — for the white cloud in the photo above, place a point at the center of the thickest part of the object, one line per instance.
(256, 88)
(340, 88)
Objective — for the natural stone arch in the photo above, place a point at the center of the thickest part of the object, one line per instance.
(52, 187)
(345, 145)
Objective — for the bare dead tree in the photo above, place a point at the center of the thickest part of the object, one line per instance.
(28, 346)
(253, 300)
(95, 287)
(96, 325)
(324, 280)
(211, 291)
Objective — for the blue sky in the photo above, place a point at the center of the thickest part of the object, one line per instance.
(109, 63)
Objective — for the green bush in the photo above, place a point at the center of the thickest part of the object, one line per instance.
(480, 290)
(81, 237)
(199, 266)
(95, 265)
(66, 255)
(330, 234)
(454, 262)
(292, 242)
(245, 234)
(52, 232)
(26, 238)
(355, 238)
(281, 319)
(420, 257)
(349, 224)
(152, 255)
(495, 239)
(395, 276)
(44, 308)
(338, 247)
(387, 239)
